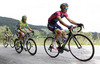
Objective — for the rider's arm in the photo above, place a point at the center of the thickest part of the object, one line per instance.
(29, 28)
(10, 32)
(71, 21)
(59, 18)
(25, 30)
(20, 29)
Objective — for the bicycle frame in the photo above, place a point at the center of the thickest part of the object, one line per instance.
(70, 34)
(26, 39)
(9, 38)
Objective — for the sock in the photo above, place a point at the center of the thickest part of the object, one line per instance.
(18, 41)
(7, 41)
(53, 41)
(65, 38)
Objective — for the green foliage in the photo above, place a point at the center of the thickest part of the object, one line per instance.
(11, 23)
(40, 31)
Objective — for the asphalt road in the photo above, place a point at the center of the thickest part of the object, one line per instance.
(10, 56)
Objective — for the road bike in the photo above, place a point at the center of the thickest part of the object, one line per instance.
(79, 45)
(28, 44)
(9, 42)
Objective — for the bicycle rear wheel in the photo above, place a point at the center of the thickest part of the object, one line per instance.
(81, 47)
(5, 43)
(18, 46)
(12, 43)
(49, 49)
(31, 46)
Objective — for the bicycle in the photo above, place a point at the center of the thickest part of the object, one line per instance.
(28, 42)
(10, 42)
(80, 46)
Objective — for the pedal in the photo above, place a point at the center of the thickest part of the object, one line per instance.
(50, 48)
(60, 49)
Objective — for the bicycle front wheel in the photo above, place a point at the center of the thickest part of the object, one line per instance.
(5, 43)
(49, 49)
(12, 43)
(18, 46)
(81, 47)
(31, 46)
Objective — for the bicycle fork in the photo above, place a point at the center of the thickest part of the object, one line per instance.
(77, 42)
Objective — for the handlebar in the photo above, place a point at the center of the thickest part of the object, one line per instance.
(29, 34)
(80, 28)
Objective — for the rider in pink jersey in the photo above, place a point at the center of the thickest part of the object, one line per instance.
(55, 15)
(55, 28)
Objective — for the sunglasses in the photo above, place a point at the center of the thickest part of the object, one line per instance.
(24, 19)
(66, 8)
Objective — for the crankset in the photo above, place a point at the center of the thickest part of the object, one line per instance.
(60, 49)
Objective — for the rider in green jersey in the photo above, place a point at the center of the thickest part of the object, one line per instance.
(6, 33)
(21, 27)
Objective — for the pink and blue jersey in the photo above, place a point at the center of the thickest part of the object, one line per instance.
(52, 21)
(53, 18)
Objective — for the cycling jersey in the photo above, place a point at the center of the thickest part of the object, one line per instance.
(7, 31)
(22, 25)
(52, 21)
(54, 17)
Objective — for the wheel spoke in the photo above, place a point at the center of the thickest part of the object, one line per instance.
(18, 46)
(31, 46)
(86, 49)
(49, 49)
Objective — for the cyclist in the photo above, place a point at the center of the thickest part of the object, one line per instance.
(6, 33)
(21, 28)
(55, 28)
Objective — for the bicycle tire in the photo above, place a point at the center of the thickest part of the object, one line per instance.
(93, 50)
(12, 45)
(5, 43)
(16, 46)
(46, 49)
(29, 48)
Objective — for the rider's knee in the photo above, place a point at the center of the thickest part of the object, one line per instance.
(63, 33)
(6, 36)
(21, 34)
(59, 32)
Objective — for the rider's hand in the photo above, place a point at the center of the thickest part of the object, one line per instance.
(25, 32)
(80, 25)
(70, 27)
(32, 31)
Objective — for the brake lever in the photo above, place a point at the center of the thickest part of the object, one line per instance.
(83, 27)
(79, 30)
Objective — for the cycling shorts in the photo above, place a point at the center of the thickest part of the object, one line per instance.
(54, 27)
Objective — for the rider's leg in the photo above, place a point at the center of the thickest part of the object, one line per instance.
(55, 29)
(20, 35)
(64, 38)
(63, 34)
(7, 39)
(58, 34)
